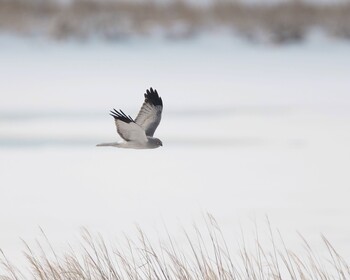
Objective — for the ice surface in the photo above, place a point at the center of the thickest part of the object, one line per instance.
(248, 131)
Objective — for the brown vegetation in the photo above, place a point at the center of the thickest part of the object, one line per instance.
(204, 255)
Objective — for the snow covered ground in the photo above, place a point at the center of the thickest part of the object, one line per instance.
(248, 131)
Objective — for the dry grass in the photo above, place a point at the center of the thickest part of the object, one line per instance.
(119, 19)
(206, 256)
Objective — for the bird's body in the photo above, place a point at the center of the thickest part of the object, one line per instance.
(138, 133)
(151, 143)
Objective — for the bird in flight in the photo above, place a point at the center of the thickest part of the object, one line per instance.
(138, 133)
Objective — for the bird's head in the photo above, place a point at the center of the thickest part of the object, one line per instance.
(159, 142)
(155, 142)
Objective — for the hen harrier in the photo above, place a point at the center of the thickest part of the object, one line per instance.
(138, 133)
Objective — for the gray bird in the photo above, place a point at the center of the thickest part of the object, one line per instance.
(138, 133)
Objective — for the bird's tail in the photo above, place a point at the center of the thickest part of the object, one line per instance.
(115, 144)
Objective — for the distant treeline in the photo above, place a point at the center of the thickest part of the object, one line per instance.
(119, 19)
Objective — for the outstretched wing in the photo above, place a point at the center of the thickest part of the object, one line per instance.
(151, 112)
(127, 128)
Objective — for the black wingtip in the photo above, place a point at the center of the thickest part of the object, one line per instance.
(152, 97)
(120, 115)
